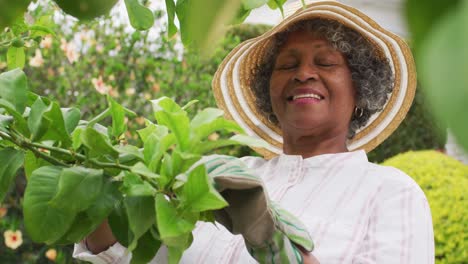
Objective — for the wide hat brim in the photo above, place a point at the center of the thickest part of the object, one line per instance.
(233, 94)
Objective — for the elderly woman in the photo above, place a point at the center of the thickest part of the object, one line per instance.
(322, 87)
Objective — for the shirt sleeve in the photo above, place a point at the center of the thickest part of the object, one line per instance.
(400, 227)
(116, 254)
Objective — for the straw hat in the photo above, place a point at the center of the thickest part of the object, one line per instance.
(231, 83)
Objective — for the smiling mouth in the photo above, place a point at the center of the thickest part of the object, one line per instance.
(305, 96)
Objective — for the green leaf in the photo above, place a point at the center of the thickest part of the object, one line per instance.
(42, 26)
(219, 124)
(159, 131)
(87, 221)
(446, 86)
(178, 123)
(14, 88)
(20, 123)
(11, 10)
(98, 142)
(249, 141)
(31, 163)
(118, 117)
(16, 57)
(199, 194)
(19, 26)
(141, 17)
(141, 215)
(171, 8)
(201, 31)
(423, 16)
(206, 116)
(12, 160)
(118, 221)
(44, 223)
(140, 168)
(76, 138)
(251, 4)
(171, 222)
(36, 123)
(57, 130)
(147, 248)
(134, 186)
(71, 117)
(78, 188)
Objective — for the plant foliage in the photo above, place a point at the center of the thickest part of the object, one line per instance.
(444, 180)
(89, 170)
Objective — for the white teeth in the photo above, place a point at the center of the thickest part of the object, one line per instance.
(316, 96)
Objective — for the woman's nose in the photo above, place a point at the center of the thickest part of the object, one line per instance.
(306, 72)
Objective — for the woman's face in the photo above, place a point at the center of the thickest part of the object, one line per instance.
(311, 88)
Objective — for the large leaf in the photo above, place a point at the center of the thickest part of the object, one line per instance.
(20, 123)
(14, 89)
(171, 8)
(443, 64)
(423, 16)
(37, 124)
(78, 188)
(206, 116)
(170, 114)
(141, 215)
(147, 248)
(118, 117)
(31, 163)
(16, 58)
(89, 220)
(172, 223)
(219, 124)
(12, 160)
(251, 4)
(44, 223)
(118, 221)
(98, 142)
(201, 31)
(71, 117)
(57, 130)
(141, 17)
(199, 194)
(11, 10)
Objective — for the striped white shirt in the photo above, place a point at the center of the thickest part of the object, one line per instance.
(356, 212)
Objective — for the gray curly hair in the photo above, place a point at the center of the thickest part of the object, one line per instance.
(372, 75)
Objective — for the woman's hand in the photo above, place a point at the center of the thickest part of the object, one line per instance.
(101, 239)
(308, 257)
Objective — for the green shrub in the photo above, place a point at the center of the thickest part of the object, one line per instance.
(444, 181)
(418, 131)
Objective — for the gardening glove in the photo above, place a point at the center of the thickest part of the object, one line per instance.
(270, 233)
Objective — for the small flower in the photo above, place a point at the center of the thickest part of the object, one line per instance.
(147, 96)
(3, 65)
(100, 86)
(46, 43)
(213, 137)
(37, 60)
(111, 77)
(51, 254)
(130, 91)
(99, 48)
(3, 211)
(150, 78)
(155, 87)
(140, 120)
(13, 239)
(71, 53)
(63, 45)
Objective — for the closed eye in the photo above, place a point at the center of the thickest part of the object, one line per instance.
(286, 67)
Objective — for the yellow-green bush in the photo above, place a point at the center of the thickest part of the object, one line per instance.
(445, 183)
